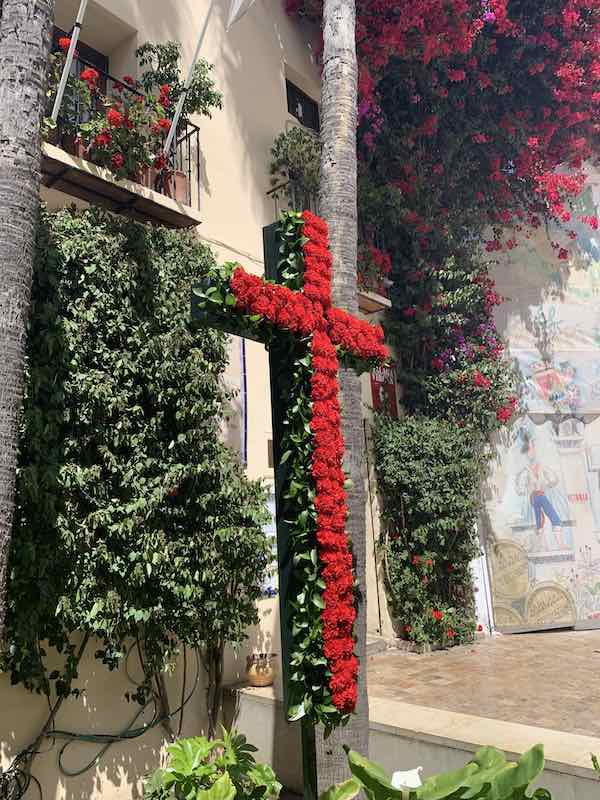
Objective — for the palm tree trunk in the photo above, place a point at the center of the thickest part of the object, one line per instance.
(25, 29)
(337, 204)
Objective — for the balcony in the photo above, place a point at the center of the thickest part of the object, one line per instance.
(166, 198)
(371, 301)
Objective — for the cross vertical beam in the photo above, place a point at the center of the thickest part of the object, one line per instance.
(279, 366)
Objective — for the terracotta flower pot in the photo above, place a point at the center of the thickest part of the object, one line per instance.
(143, 176)
(176, 186)
(73, 145)
(153, 179)
(52, 136)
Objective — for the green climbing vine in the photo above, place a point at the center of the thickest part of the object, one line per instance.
(136, 526)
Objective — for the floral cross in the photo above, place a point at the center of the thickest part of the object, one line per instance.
(327, 335)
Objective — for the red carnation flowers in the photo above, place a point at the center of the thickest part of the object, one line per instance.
(310, 313)
(481, 381)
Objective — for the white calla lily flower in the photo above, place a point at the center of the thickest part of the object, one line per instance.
(407, 780)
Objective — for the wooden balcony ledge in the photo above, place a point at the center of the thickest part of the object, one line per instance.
(98, 186)
(371, 302)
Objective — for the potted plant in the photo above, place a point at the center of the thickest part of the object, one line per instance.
(125, 132)
(374, 268)
(76, 102)
(161, 77)
(160, 65)
(295, 165)
(488, 776)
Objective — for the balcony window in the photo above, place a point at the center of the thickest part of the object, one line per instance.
(91, 56)
(113, 184)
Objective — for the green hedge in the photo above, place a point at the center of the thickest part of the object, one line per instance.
(429, 473)
(134, 520)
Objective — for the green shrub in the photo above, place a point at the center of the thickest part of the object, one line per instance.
(428, 473)
(134, 522)
(199, 769)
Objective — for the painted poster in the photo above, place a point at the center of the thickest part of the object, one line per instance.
(542, 535)
(383, 390)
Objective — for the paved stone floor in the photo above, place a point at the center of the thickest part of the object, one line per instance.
(550, 679)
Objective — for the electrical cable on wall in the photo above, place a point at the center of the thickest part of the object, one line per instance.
(16, 780)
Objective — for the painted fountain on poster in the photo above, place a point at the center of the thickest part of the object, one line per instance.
(543, 498)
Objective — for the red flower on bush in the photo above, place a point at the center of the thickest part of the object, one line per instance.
(450, 633)
(164, 124)
(117, 160)
(415, 560)
(437, 363)
(164, 95)
(91, 77)
(114, 118)
(64, 43)
(103, 139)
(481, 381)
(437, 615)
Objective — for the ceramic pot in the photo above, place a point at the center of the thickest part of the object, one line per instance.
(73, 145)
(176, 186)
(260, 669)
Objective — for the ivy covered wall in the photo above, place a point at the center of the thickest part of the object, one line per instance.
(137, 533)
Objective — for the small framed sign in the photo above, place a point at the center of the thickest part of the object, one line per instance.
(384, 390)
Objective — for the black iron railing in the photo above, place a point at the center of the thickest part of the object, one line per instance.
(287, 196)
(184, 157)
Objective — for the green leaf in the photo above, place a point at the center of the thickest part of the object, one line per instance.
(222, 789)
(296, 712)
(372, 777)
(343, 791)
